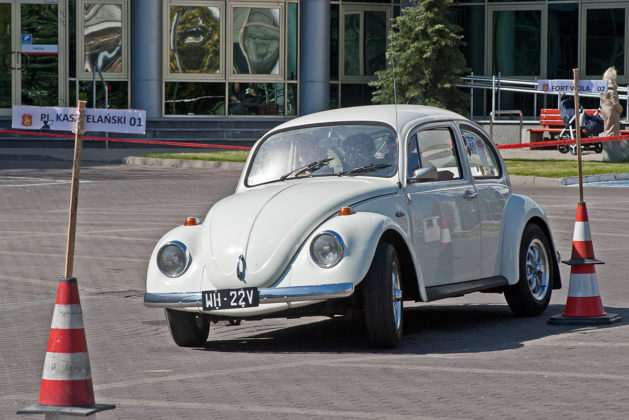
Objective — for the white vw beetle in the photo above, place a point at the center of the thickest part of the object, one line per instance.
(355, 211)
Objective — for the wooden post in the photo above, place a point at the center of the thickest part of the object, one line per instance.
(74, 196)
(577, 125)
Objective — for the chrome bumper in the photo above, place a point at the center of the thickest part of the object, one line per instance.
(270, 295)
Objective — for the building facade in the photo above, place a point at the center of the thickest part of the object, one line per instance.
(282, 58)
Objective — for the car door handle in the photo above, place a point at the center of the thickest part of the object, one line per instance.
(470, 195)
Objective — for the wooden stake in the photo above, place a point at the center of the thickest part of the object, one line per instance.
(577, 125)
(74, 196)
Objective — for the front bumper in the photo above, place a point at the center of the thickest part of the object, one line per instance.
(268, 295)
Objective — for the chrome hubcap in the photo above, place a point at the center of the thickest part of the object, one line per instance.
(397, 296)
(537, 269)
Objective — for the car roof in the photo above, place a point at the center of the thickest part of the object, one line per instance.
(395, 116)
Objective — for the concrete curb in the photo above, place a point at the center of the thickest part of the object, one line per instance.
(573, 180)
(536, 180)
(182, 163)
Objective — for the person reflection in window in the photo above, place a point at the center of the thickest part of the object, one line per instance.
(253, 101)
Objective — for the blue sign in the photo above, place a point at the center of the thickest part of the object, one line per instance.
(27, 39)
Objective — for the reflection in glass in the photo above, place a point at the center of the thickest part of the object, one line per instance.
(5, 55)
(184, 98)
(40, 82)
(291, 42)
(375, 42)
(563, 40)
(334, 42)
(517, 42)
(103, 37)
(605, 43)
(355, 94)
(352, 44)
(256, 39)
(117, 95)
(256, 98)
(291, 99)
(195, 42)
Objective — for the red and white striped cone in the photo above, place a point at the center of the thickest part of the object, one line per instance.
(66, 387)
(446, 236)
(584, 305)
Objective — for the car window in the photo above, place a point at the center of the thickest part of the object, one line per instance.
(436, 147)
(341, 150)
(483, 162)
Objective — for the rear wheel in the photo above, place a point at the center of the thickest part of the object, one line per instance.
(186, 328)
(383, 298)
(598, 148)
(562, 148)
(531, 295)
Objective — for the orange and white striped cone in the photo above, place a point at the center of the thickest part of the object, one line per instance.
(584, 305)
(66, 387)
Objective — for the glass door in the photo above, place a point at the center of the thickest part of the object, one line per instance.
(32, 44)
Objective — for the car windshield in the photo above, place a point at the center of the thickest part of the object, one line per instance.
(333, 150)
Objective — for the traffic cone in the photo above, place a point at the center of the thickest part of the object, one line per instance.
(67, 380)
(584, 305)
(446, 237)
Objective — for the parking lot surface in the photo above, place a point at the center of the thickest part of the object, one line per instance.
(459, 359)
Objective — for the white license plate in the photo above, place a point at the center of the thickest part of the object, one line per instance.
(230, 298)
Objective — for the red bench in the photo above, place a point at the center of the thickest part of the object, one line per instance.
(551, 123)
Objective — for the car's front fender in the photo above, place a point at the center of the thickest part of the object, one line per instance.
(361, 232)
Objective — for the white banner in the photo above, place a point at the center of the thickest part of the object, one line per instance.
(131, 121)
(567, 86)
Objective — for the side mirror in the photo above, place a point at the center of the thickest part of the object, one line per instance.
(428, 174)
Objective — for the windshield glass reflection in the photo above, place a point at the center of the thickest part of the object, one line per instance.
(353, 149)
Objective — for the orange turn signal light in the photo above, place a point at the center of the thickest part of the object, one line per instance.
(191, 221)
(345, 211)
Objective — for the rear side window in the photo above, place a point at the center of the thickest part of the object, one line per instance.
(482, 160)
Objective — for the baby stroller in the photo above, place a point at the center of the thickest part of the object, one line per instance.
(591, 126)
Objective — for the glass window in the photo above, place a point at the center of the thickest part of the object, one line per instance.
(194, 39)
(351, 43)
(183, 98)
(256, 40)
(355, 94)
(291, 99)
(334, 42)
(102, 35)
(5, 54)
(363, 149)
(472, 20)
(257, 98)
(116, 97)
(436, 148)
(364, 42)
(483, 163)
(516, 42)
(605, 41)
(563, 39)
(291, 42)
(375, 42)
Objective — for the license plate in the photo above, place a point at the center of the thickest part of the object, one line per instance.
(230, 298)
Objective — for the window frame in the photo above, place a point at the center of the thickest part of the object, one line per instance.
(488, 146)
(456, 152)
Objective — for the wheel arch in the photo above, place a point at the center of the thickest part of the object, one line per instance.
(410, 285)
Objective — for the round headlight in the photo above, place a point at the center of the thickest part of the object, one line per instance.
(327, 249)
(173, 259)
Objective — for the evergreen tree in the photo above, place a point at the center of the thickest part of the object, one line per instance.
(427, 59)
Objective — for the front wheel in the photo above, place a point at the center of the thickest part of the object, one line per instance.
(531, 295)
(598, 148)
(383, 298)
(187, 328)
(562, 148)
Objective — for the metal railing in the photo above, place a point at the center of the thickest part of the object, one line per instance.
(491, 121)
(497, 85)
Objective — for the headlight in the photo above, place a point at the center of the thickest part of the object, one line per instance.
(173, 259)
(327, 249)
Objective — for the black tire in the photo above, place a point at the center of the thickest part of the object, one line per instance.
(186, 328)
(598, 148)
(531, 295)
(563, 148)
(383, 305)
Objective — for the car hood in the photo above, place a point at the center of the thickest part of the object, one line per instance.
(268, 224)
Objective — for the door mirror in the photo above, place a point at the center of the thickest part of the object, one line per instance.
(428, 174)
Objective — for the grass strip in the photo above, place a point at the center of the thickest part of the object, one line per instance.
(559, 168)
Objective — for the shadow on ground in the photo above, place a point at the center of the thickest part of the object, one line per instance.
(427, 330)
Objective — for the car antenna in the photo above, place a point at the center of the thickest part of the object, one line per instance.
(397, 128)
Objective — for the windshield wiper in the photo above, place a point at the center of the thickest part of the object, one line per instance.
(309, 168)
(366, 168)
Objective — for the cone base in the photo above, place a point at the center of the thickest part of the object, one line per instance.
(85, 410)
(589, 320)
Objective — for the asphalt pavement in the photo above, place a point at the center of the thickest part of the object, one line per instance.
(463, 358)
